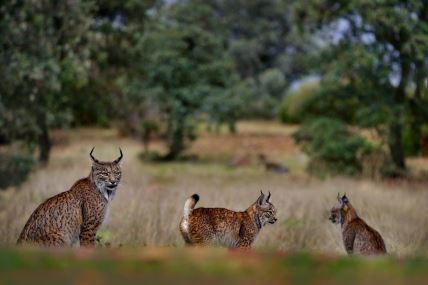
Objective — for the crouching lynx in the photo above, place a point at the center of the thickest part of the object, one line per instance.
(218, 226)
(358, 237)
(73, 217)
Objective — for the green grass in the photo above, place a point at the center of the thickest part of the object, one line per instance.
(196, 266)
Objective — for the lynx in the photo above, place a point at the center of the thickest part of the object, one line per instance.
(223, 227)
(357, 236)
(73, 217)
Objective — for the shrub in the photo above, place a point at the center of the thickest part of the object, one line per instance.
(14, 169)
(332, 148)
(295, 103)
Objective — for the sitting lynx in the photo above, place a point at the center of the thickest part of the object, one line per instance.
(218, 226)
(73, 217)
(357, 236)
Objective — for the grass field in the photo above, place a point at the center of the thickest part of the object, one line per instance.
(149, 203)
(197, 266)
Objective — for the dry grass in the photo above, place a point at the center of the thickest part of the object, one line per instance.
(148, 206)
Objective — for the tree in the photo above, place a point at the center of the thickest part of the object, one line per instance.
(186, 69)
(265, 47)
(376, 58)
(116, 77)
(43, 53)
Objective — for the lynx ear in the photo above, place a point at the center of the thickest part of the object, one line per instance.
(345, 199)
(261, 199)
(268, 198)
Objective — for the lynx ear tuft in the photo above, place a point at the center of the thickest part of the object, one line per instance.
(268, 198)
(92, 157)
(120, 156)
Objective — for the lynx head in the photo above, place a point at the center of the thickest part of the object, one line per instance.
(265, 210)
(106, 175)
(339, 210)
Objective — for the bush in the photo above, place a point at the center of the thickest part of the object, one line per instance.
(332, 148)
(14, 169)
(295, 103)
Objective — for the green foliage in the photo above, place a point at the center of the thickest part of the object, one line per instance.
(181, 77)
(332, 148)
(102, 238)
(43, 55)
(263, 46)
(294, 107)
(116, 76)
(379, 50)
(14, 169)
(268, 90)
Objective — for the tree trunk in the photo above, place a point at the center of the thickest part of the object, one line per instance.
(232, 126)
(43, 139)
(395, 145)
(396, 124)
(176, 139)
(415, 105)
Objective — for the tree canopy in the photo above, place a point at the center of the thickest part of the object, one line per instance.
(373, 57)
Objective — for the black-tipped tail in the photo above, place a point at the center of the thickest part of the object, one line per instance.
(190, 204)
(195, 197)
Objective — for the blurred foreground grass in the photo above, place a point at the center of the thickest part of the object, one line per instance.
(197, 266)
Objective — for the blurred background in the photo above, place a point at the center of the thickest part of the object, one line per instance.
(303, 98)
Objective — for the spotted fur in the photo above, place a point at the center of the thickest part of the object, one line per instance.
(223, 227)
(358, 237)
(73, 217)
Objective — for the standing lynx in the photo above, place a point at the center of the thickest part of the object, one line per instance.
(358, 237)
(73, 217)
(218, 226)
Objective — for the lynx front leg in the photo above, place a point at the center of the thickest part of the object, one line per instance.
(348, 241)
(246, 237)
(87, 235)
(92, 216)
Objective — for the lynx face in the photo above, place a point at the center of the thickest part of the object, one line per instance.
(106, 176)
(338, 211)
(266, 211)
